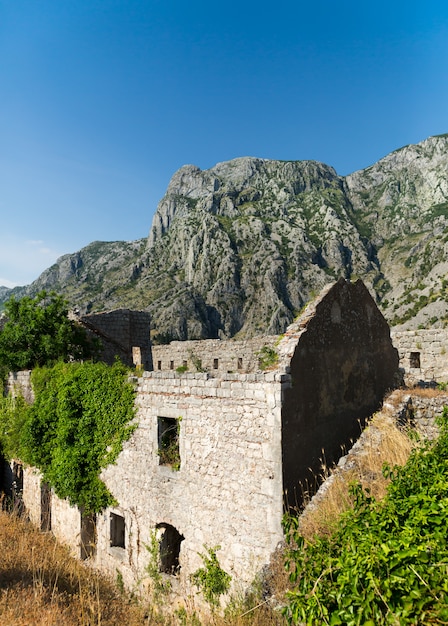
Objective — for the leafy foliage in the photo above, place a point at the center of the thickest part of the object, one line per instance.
(387, 562)
(38, 332)
(74, 429)
(13, 416)
(267, 357)
(211, 579)
(160, 585)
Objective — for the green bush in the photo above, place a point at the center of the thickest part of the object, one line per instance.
(387, 562)
(267, 357)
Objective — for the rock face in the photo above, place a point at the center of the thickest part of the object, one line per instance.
(400, 205)
(237, 250)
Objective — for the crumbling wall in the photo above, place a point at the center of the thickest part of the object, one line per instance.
(227, 490)
(213, 355)
(342, 362)
(120, 331)
(423, 354)
(20, 382)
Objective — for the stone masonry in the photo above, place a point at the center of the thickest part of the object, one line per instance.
(213, 355)
(423, 355)
(239, 439)
(123, 333)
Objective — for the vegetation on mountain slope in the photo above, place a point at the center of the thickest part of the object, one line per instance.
(240, 248)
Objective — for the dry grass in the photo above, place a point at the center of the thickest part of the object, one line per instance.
(381, 442)
(41, 584)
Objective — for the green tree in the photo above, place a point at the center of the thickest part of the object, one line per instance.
(38, 332)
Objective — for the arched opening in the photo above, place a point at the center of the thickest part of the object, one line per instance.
(169, 546)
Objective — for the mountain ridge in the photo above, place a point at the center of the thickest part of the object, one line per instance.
(238, 249)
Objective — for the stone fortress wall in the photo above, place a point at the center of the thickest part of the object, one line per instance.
(123, 333)
(214, 355)
(423, 355)
(243, 436)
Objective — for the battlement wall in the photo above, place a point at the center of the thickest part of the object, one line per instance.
(213, 355)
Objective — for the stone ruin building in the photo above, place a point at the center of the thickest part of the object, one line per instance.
(248, 422)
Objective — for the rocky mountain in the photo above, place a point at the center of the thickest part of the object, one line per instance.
(240, 248)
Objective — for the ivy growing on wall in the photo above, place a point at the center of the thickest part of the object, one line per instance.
(81, 416)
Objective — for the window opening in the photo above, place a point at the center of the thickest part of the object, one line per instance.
(16, 486)
(137, 356)
(240, 363)
(414, 360)
(169, 547)
(168, 441)
(159, 365)
(45, 507)
(88, 535)
(171, 365)
(215, 364)
(117, 531)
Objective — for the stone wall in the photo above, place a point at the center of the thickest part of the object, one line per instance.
(423, 355)
(31, 494)
(212, 355)
(228, 488)
(20, 382)
(402, 409)
(342, 362)
(240, 438)
(123, 333)
(420, 412)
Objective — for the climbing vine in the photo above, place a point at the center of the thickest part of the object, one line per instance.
(211, 579)
(81, 416)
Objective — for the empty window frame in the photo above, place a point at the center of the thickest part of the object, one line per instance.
(215, 364)
(240, 363)
(45, 507)
(168, 441)
(414, 360)
(117, 531)
(159, 365)
(88, 535)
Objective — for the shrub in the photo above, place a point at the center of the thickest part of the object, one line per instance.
(38, 332)
(387, 562)
(267, 357)
(211, 579)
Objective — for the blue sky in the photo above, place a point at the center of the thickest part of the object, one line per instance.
(102, 101)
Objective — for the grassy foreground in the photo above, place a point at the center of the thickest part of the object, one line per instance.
(42, 585)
